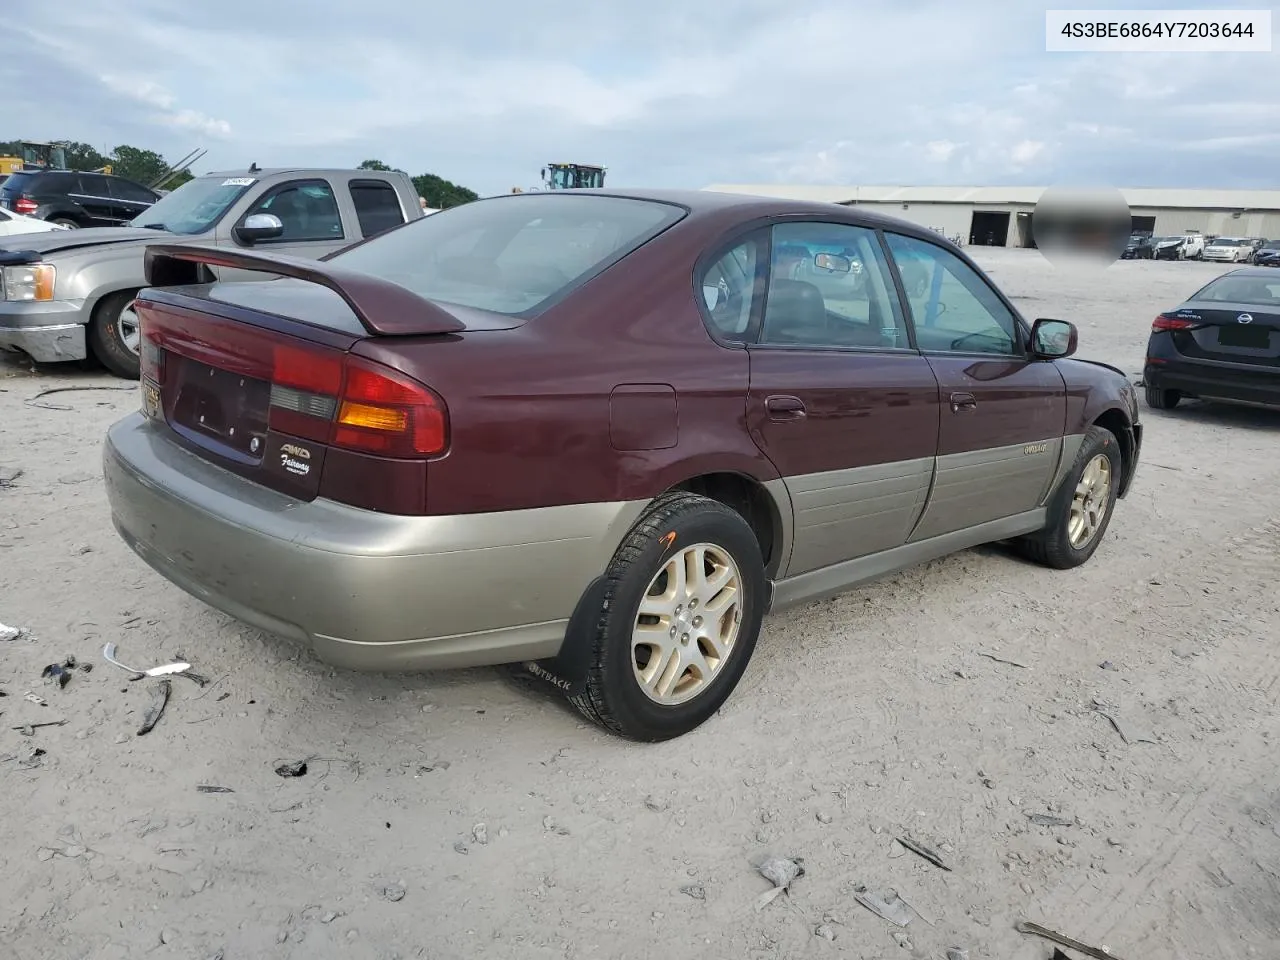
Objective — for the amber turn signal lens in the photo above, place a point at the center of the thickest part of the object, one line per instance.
(372, 418)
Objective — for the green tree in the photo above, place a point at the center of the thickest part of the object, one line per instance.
(373, 165)
(442, 193)
(178, 179)
(143, 166)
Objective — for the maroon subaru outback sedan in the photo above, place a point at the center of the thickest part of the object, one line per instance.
(600, 434)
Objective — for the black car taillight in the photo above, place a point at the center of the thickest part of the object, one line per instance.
(1166, 322)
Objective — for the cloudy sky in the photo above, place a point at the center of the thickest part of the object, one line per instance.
(663, 92)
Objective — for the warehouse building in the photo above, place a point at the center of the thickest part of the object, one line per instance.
(1003, 216)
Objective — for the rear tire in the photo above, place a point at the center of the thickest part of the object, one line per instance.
(65, 222)
(1160, 399)
(1081, 509)
(655, 676)
(113, 336)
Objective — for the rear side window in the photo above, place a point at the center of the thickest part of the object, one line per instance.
(729, 288)
(511, 254)
(92, 185)
(377, 206)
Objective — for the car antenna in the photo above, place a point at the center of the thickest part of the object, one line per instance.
(254, 168)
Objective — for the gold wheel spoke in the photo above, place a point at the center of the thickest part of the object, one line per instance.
(687, 624)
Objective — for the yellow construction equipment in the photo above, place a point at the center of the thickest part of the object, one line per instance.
(40, 156)
(572, 176)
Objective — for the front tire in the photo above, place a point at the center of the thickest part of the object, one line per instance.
(1081, 509)
(114, 334)
(65, 222)
(683, 603)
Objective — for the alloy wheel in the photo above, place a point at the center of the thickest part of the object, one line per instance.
(1090, 503)
(127, 328)
(687, 625)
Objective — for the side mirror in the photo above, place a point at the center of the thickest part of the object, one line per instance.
(833, 263)
(257, 227)
(1053, 339)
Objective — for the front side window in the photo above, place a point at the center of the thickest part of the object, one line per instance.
(511, 254)
(309, 211)
(953, 309)
(829, 286)
(131, 192)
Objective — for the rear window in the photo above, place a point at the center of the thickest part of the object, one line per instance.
(1257, 291)
(512, 254)
(18, 183)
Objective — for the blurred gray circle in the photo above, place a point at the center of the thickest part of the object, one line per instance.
(1081, 226)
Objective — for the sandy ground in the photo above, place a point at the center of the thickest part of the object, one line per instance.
(860, 720)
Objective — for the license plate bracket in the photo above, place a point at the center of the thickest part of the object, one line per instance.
(1244, 335)
(227, 408)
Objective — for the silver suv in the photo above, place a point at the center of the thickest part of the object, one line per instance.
(68, 294)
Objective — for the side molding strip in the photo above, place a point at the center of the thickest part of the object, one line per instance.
(839, 577)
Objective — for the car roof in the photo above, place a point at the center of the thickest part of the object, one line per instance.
(1269, 272)
(748, 206)
(265, 172)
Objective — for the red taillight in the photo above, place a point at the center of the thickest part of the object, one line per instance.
(151, 355)
(355, 404)
(25, 207)
(1166, 322)
(306, 370)
(385, 412)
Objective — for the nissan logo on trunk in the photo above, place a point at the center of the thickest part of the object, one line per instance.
(1244, 318)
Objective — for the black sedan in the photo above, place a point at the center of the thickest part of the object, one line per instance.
(1223, 343)
(1268, 255)
(1139, 248)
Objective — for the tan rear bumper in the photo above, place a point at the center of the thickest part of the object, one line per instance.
(368, 591)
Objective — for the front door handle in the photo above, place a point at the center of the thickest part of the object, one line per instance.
(785, 408)
(963, 401)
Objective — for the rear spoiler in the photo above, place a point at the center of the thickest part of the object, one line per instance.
(382, 307)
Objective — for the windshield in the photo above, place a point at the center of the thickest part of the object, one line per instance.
(510, 254)
(1271, 245)
(1228, 242)
(195, 206)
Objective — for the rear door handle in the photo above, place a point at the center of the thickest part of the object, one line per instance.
(963, 401)
(785, 408)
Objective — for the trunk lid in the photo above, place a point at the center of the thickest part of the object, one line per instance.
(260, 378)
(210, 375)
(1230, 332)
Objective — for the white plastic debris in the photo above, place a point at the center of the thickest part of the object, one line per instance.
(11, 633)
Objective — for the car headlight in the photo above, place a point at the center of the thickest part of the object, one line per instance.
(29, 281)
